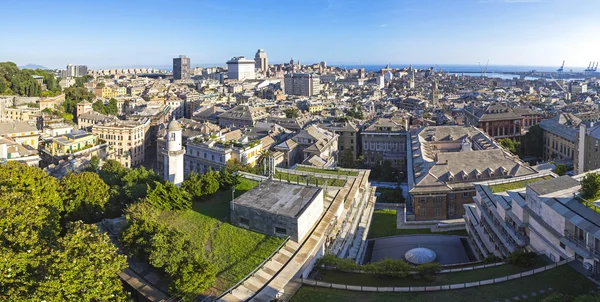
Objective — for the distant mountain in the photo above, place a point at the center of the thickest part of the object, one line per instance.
(33, 66)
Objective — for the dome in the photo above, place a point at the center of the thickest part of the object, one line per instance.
(420, 255)
(174, 126)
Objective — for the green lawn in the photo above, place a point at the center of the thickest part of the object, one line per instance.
(217, 205)
(442, 279)
(234, 251)
(301, 179)
(383, 224)
(561, 279)
(327, 171)
(515, 185)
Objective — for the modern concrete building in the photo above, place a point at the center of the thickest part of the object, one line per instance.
(385, 139)
(540, 213)
(443, 164)
(240, 69)
(127, 140)
(348, 137)
(279, 209)
(181, 68)
(74, 71)
(304, 84)
(261, 61)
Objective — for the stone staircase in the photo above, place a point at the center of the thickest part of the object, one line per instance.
(261, 277)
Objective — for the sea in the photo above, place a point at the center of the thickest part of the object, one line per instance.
(493, 71)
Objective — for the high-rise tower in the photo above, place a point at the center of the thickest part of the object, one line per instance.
(181, 68)
(260, 60)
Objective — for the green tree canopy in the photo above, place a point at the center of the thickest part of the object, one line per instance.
(167, 196)
(291, 113)
(85, 196)
(590, 185)
(533, 144)
(511, 145)
(84, 266)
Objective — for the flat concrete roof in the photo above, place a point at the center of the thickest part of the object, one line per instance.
(278, 198)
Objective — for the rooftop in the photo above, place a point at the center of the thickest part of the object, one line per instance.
(278, 198)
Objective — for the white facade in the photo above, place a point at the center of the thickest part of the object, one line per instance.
(240, 69)
(173, 157)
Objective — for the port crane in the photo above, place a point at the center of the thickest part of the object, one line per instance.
(562, 67)
(484, 70)
(592, 67)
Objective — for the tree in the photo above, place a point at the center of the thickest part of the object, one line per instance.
(292, 113)
(85, 196)
(347, 160)
(93, 164)
(75, 95)
(167, 196)
(533, 144)
(590, 185)
(227, 180)
(511, 145)
(210, 183)
(38, 263)
(137, 182)
(356, 112)
(560, 170)
(84, 266)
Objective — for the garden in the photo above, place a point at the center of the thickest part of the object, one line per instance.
(327, 171)
(309, 179)
(383, 224)
(516, 184)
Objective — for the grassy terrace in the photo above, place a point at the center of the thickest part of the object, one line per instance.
(589, 202)
(555, 278)
(234, 251)
(327, 171)
(515, 185)
(301, 179)
(442, 279)
(383, 224)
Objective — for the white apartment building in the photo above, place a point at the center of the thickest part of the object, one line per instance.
(305, 84)
(177, 106)
(127, 140)
(544, 215)
(240, 68)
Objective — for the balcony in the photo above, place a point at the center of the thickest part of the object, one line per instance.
(581, 247)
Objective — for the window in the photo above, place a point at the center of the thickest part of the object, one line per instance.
(422, 200)
(451, 210)
(244, 222)
(466, 194)
(423, 212)
(280, 231)
(438, 212)
(438, 199)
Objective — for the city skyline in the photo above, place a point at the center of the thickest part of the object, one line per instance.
(507, 32)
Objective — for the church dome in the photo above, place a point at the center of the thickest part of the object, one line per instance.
(174, 126)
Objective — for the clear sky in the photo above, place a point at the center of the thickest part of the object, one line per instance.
(124, 33)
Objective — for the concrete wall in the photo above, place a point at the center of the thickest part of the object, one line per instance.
(265, 222)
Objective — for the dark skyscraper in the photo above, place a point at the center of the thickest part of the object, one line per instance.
(181, 68)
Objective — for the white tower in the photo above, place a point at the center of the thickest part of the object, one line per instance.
(173, 155)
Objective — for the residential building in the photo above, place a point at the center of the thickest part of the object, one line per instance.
(74, 71)
(22, 132)
(181, 68)
(347, 136)
(57, 129)
(22, 113)
(544, 216)
(87, 120)
(177, 107)
(240, 69)
(311, 146)
(205, 153)
(560, 137)
(242, 116)
(577, 87)
(71, 142)
(443, 164)
(385, 140)
(10, 150)
(127, 140)
(304, 84)
(587, 153)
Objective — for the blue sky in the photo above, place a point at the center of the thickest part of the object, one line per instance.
(122, 33)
